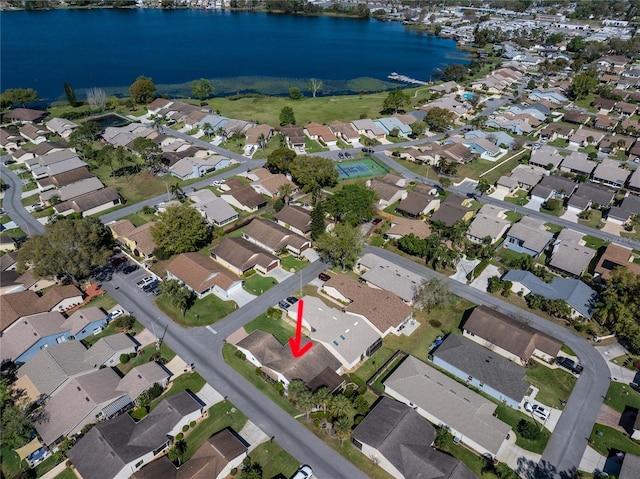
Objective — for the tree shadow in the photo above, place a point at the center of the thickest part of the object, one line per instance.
(528, 469)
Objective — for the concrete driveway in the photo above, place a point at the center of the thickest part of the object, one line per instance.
(534, 204)
(482, 281)
(570, 215)
(241, 297)
(464, 267)
(618, 372)
(280, 274)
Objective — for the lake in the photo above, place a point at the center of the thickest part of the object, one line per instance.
(237, 51)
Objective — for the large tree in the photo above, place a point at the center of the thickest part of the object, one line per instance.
(395, 100)
(439, 119)
(15, 422)
(68, 246)
(280, 160)
(351, 204)
(201, 88)
(315, 86)
(583, 84)
(180, 229)
(317, 221)
(287, 116)
(149, 150)
(312, 173)
(433, 294)
(455, 72)
(17, 96)
(341, 246)
(143, 90)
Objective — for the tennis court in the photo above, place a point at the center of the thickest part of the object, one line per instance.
(360, 169)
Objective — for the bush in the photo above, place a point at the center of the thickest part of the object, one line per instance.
(249, 273)
(179, 437)
(435, 323)
(161, 254)
(278, 386)
(124, 358)
(527, 429)
(185, 428)
(132, 355)
(274, 313)
(125, 322)
(278, 205)
(240, 354)
(192, 424)
(148, 210)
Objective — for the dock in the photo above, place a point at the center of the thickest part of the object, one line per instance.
(405, 79)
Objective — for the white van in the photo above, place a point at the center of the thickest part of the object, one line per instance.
(304, 472)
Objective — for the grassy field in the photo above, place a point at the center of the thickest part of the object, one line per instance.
(66, 474)
(275, 461)
(555, 384)
(281, 330)
(512, 417)
(247, 370)
(144, 355)
(606, 440)
(221, 416)
(103, 301)
(204, 311)
(289, 262)
(258, 284)
(109, 330)
(519, 198)
(620, 395)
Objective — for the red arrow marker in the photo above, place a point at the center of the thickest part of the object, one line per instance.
(294, 343)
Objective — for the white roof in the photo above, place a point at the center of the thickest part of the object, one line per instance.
(390, 277)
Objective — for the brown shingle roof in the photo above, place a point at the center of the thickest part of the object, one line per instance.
(613, 257)
(384, 309)
(514, 336)
(200, 273)
(248, 197)
(295, 216)
(243, 255)
(273, 235)
(25, 114)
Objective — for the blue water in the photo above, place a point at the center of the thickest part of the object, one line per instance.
(110, 48)
(467, 95)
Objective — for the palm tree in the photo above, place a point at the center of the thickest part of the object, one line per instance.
(322, 398)
(207, 129)
(262, 141)
(342, 428)
(176, 190)
(483, 186)
(306, 403)
(340, 406)
(157, 123)
(285, 192)
(296, 387)
(178, 450)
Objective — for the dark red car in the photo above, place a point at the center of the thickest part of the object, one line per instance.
(324, 277)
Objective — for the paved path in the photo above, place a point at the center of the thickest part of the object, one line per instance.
(12, 202)
(567, 445)
(618, 373)
(203, 346)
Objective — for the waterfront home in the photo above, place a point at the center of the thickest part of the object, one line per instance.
(61, 127)
(321, 133)
(25, 115)
(295, 138)
(369, 129)
(345, 131)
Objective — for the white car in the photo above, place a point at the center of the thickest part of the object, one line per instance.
(116, 313)
(304, 472)
(145, 281)
(218, 182)
(537, 410)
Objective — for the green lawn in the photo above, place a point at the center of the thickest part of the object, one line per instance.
(559, 211)
(258, 284)
(611, 440)
(9, 461)
(553, 228)
(555, 384)
(48, 464)
(513, 216)
(204, 311)
(567, 350)
(512, 417)
(281, 330)
(187, 381)
(144, 356)
(501, 170)
(66, 474)
(477, 464)
(594, 220)
(103, 301)
(221, 416)
(140, 218)
(109, 330)
(375, 362)
(247, 370)
(312, 146)
(290, 262)
(593, 242)
(519, 198)
(621, 395)
(275, 461)
(558, 143)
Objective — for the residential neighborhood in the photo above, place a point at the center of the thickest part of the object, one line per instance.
(445, 286)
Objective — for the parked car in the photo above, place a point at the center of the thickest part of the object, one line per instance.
(324, 277)
(305, 472)
(347, 154)
(283, 304)
(10, 162)
(569, 364)
(292, 300)
(217, 182)
(130, 268)
(341, 155)
(147, 288)
(116, 313)
(377, 221)
(37, 206)
(145, 281)
(537, 410)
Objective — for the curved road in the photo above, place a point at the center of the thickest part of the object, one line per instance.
(12, 202)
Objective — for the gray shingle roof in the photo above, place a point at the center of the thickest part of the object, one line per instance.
(483, 364)
(571, 258)
(577, 294)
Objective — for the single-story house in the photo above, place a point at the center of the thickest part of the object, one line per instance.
(415, 204)
(9, 140)
(25, 115)
(452, 209)
(212, 208)
(511, 338)
(194, 167)
(345, 131)
(481, 368)
(486, 225)
(569, 255)
(242, 197)
(634, 182)
(553, 186)
(85, 322)
(203, 276)
(389, 124)
(33, 133)
(137, 239)
(240, 256)
(379, 307)
(588, 194)
(294, 218)
(388, 193)
(625, 212)
(107, 451)
(269, 184)
(272, 237)
(400, 441)
(382, 274)
(64, 179)
(526, 176)
(368, 128)
(546, 157)
(404, 226)
(611, 173)
(580, 297)
(61, 127)
(278, 363)
(446, 402)
(142, 377)
(528, 236)
(107, 351)
(578, 163)
(69, 192)
(631, 463)
(584, 136)
(85, 399)
(90, 203)
(295, 138)
(615, 256)
(321, 133)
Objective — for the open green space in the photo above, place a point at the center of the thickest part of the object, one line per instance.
(248, 371)
(9, 462)
(220, 416)
(606, 440)
(555, 385)
(144, 356)
(204, 311)
(66, 474)
(621, 396)
(290, 262)
(280, 329)
(512, 417)
(258, 284)
(275, 461)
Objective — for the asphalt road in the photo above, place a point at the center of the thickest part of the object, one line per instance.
(569, 439)
(12, 202)
(204, 348)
